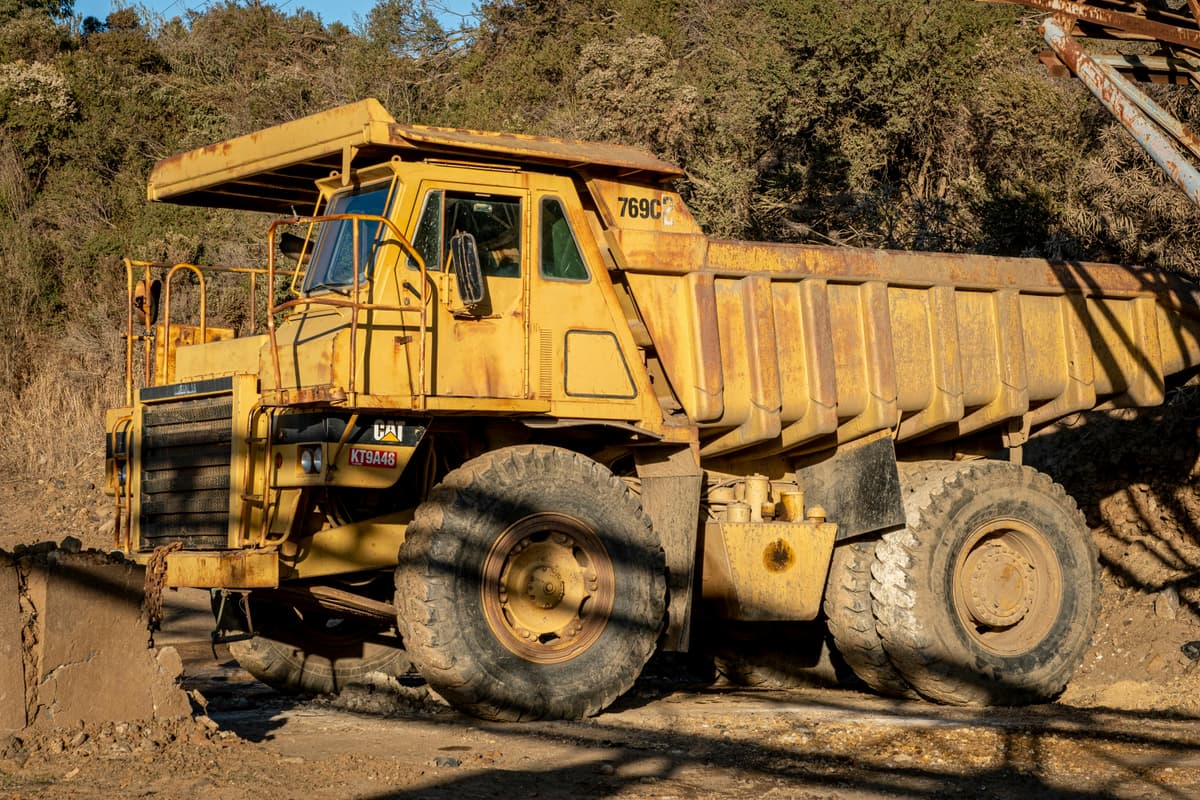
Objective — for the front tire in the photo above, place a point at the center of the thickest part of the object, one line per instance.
(313, 652)
(990, 594)
(531, 586)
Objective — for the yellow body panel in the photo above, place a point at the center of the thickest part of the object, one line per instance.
(242, 569)
(767, 570)
(217, 358)
(346, 548)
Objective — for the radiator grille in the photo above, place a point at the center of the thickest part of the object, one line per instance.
(185, 458)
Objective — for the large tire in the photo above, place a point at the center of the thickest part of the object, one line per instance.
(531, 586)
(315, 653)
(990, 594)
(851, 619)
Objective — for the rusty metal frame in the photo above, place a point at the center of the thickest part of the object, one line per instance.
(1124, 18)
(1111, 76)
(1142, 117)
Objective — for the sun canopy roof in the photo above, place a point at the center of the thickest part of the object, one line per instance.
(274, 169)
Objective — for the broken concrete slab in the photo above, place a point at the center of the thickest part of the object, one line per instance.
(81, 653)
(12, 685)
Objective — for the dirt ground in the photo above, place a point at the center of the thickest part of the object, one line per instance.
(1127, 726)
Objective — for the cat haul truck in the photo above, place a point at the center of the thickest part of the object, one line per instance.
(510, 417)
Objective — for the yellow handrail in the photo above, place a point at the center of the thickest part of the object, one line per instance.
(168, 270)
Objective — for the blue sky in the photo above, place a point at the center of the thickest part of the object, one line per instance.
(329, 10)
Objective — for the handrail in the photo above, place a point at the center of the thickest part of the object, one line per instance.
(352, 302)
(123, 489)
(149, 268)
(167, 310)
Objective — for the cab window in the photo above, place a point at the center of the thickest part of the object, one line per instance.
(561, 258)
(427, 239)
(494, 221)
(334, 256)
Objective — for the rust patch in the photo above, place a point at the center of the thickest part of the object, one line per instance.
(778, 556)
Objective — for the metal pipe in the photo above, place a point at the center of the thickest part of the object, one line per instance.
(128, 332)
(1153, 64)
(147, 331)
(1159, 115)
(354, 312)
(271, 311)
(1119, 104)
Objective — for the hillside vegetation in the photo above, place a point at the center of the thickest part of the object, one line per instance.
(923, 124)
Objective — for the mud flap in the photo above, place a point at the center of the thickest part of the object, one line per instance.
(858, 486)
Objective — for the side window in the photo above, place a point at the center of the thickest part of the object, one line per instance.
(560, 255)
(495, 222)
(427, 240)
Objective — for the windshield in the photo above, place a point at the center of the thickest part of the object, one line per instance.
(333, 259)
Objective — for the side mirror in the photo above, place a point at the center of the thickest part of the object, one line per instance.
(145, 301)
(465, 258)
(291, 245)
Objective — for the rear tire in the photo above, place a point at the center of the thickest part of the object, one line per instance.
(848, 608)
(990, 594)
(531, 586)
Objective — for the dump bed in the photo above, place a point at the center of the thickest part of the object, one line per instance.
(787, 348)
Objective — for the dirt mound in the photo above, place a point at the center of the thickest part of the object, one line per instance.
(111, 738)
(1135, 475)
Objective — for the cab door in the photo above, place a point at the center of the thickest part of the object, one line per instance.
(480, 351)
(587, 365)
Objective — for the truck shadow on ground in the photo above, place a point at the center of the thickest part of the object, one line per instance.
(717, 742)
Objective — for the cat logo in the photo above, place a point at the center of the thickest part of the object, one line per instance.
(389, 431)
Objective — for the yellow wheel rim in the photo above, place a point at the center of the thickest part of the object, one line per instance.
(547, 588)
(1008, 586)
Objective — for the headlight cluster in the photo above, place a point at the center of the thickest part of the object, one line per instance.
(311, 460)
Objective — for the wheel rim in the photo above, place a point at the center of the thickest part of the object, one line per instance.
(548, 588)
(1008, 587)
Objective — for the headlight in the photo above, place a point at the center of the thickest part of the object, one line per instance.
(311, 460)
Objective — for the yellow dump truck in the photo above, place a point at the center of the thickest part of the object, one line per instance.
(507, 415)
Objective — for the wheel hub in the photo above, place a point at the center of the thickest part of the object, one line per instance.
(547, 588)
(1000, 585)
(1007, 586)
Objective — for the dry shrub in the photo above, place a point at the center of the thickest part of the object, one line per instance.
(54, 418)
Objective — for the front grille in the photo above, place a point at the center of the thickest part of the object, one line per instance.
(185, 457)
